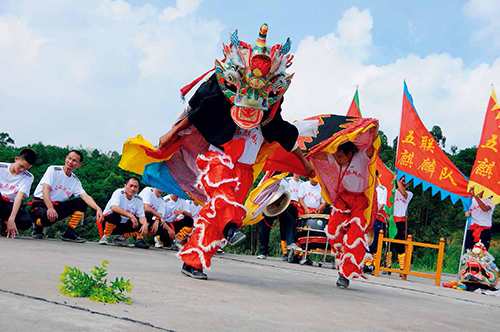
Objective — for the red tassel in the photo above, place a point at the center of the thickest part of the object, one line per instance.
(188, 87)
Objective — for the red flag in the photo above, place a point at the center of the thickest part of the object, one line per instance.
(385, 176)
(354, 110)
(485, 175)
(420, 158)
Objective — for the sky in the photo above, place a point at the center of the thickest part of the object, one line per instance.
(94, 73)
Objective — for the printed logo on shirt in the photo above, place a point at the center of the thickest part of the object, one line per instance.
(355, 173)
(67, 191)
(9, 186)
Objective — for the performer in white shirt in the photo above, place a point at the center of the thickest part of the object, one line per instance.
(401, 200)
(15, 184)
(310, 199)
(347, 225)
(154, 207)
(178, 215)
(124, 215)
(52, 199)
(379, 224)
(286, 219)
(481, 213)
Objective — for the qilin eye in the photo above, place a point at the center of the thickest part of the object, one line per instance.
(232, 76)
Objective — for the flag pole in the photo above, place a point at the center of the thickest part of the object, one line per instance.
(467, 222)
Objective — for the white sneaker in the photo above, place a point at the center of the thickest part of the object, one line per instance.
(158, 243)
(262, 257)
(293, 246)
(104, 240)
(120, 241)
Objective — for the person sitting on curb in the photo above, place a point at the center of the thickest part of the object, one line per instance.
(124, 215)
(154, 206)
(178, 215)
(15, 184)
(52, 201)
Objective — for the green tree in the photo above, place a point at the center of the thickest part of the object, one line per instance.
(6, 140)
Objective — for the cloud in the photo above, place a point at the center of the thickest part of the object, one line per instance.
(98, 73)
(182, 8)
(486, 12)
(445, 92)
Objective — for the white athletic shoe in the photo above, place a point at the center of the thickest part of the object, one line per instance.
(293, 246)
(104, 240)
(262, 256)
(158, 243)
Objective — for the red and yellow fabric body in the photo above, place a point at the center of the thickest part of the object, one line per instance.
(226, 184)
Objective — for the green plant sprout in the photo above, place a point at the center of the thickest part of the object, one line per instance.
(76, 283)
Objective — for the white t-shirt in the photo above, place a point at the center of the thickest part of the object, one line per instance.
(293, 187)
(253, 141)
(381, 195)
(61, 185)
(355, 178)
(311, 195)
(134, 205)
(480, 217)
(149, 197)
(193, 208)
(11, 184)
(401, 203)
(171, 206)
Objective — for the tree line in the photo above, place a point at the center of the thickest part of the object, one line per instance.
(429, 218)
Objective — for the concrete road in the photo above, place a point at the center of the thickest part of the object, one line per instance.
(242, 294)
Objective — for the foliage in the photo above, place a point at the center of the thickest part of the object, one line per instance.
(80, 284)
(99, 174)
(5, 139)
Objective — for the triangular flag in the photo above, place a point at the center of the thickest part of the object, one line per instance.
(354, 109)
(485, 175)
(421, 157)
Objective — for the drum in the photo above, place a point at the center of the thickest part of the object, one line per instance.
(314, 224)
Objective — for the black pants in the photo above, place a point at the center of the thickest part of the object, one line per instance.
(287, 228)
(121, 227)
(23, 220)
(64, 209)
(485, 239)
(400, 235)
(176, 227)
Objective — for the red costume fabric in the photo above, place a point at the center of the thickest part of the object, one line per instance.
(346, 232)
(226, 184)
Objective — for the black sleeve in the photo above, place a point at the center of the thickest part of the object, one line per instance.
(211, 113)
(281, 131)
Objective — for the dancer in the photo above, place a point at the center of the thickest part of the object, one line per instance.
(347, 225)
(235, 110)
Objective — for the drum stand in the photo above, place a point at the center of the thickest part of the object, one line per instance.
(323, 252)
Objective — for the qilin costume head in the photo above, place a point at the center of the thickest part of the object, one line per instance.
(479, 267)
(253, 77)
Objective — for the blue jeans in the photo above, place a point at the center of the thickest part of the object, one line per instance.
(377, 226)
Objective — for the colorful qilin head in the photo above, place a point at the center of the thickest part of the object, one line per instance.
(253, 77)
(479, 267)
